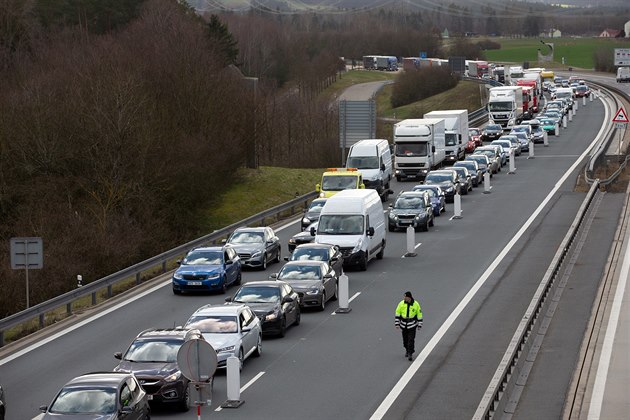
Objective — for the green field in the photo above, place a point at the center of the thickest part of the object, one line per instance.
(577, 52)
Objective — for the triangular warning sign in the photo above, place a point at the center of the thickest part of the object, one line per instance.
(620, 116)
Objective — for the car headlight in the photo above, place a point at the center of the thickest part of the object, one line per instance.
(450, 189)
(393, 216)
(272, 316)
(226, 349)
(214, 276)
(292, 240)
(256, 254)
(357, 247)
(322, 195)
(313, 292)
(172, 378)
(177, 276)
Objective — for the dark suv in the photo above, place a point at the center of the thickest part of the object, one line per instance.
(152, 357)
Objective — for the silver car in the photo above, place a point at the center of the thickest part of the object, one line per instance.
(256, 246)
(233, 330)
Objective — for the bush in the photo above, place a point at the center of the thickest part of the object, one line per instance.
(413, 86)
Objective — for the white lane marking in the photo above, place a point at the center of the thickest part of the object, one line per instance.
(441, 332)
(416, 247)
(247, 385)
(349, 300)
(597, 398)
(286, 225)
(82, 323)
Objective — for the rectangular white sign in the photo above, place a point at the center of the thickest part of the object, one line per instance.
(622, 56)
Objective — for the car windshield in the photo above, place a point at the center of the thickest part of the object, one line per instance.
(339, 182)
(473, 132)
(218, 324)
(83, 400)
(450, 139)
(310, 254)
(489, 153)
(340, 224)
(300, 272)
(245, 237)
(438, 177)
(257, 294)
(468, 165)
(411, 149)
(316, 206)
(157, 351)
(363, 162)
(493, 127)
(408, 202)
(203, 258)
(519, 129)
(479, 159)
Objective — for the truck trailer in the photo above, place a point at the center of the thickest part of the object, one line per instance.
(419, 146)
(455, 132)
(505, 106)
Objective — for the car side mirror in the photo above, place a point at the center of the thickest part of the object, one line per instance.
(126, 410)
(246, 329)
(383, 167)
(273, 275)
(286, 258)
(229, 262)
(370, 231)
(43, 408)
(362, 186)
(318, 188)
(312, 231)
(287, 299)
(179, 262)
(118, 355)
(223, 241)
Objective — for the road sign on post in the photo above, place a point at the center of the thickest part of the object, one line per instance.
(27, 253)
(622, 56)
(620, 116)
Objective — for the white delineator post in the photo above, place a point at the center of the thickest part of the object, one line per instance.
(233, 378)
(531, 150)
(564, 121)
(512, 162)
(457, 206)
(556, 130)
(344, 295)
(545, 138)
(486, 182)
(411, 242)
(584, 100)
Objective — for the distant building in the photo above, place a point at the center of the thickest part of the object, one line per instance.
(626, 29)
(551, 33)
(610, 33)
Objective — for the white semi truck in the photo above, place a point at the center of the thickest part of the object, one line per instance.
(505, 106)
(419, 147)
(456, 132)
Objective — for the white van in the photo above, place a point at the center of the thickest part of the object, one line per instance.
(354, 221)
(373, 158)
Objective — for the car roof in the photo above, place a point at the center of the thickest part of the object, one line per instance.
(220, 310)
(315, 245)
(251, 229)
(412, 193)
(305, 262)
(477, 155)
(99, 378)
(208, 248)
(181, 333)
(265, 283)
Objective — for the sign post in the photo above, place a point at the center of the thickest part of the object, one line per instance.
(621, 122)
(197, 360)
(27, 253)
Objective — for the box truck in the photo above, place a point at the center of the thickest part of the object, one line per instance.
(505, 106)
(419, 146)
(455, 132)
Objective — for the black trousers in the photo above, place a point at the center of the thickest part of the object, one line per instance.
(409, 339)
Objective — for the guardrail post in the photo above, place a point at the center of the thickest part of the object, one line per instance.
(109, 291)
(1, 338)
(42, 320)
(138, 278)
(94, 298)
(69, 308)
(164, 266)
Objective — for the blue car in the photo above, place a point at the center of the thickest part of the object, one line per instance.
(207, 269)
(438, 202)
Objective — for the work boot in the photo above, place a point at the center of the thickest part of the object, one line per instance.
(410, 356)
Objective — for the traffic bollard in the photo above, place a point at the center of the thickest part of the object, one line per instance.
(590, 97)
(344, 295)
(583, 100)
(564, 121)
(545, 138)
(486, 182)
(570, 115)
(457, 206)
(556, 130)
(512, 163)
(531, 150)
(233, 380)
(411, 242)
(575, 107)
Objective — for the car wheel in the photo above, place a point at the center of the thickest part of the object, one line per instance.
(298, 317)
(363, 263)
(425, 226)
(184, 404)
(223, 287)
(336, 295)
(381, 253)
(258, 350)
(432, 222)
(283, 327)
(278, 255)
(322, 305)
(241, 358)
(264, 261)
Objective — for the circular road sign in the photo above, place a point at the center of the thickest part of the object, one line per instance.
(197, 360)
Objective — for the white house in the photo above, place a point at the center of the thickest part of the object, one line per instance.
(626, 29)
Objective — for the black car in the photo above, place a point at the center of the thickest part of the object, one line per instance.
(102, 396)
(275, 303)
(300, 238)
(311, 215)
(319, 252)
(152, 357)
(411, 208)
(256, 246)
(314, 281)
(491, 132)
(447, 180)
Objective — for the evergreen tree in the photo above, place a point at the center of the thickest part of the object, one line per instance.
(228, 46)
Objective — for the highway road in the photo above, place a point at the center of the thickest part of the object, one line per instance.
(473, 276)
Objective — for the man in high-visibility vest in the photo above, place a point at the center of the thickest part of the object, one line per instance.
(408, 320)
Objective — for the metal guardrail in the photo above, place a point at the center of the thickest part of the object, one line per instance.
(136, 270)
(498, 392)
